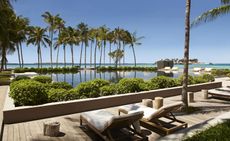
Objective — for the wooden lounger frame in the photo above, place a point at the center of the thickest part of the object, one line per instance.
(156, 122)
(118, 123)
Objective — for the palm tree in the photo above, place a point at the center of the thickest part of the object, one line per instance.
(84, 34)
(97, 45)
(72, 39)
(92, 40)
(38, 37)
(20, 31)
(116, 55)
(51, 21)
(212, 14)
(186, 56)
(104, 36)
(7, 32)
(111, 39)
(133, 40)
(60, 25)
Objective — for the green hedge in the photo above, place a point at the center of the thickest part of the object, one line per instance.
(164, 82)
(20, 77)
(28, 92)
(62, 91)
(220, 72)
(129, 85)
(48, 70)
(55, 95)
(108, 90)
(61, 85)
(43, 79)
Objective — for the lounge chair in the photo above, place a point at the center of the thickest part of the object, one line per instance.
(175, 68)
(197, 69)
(152, 116)
(167, 68)
(102, 122)
(219, 93)
(207, 69)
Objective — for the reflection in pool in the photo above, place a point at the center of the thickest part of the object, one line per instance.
(85, 75)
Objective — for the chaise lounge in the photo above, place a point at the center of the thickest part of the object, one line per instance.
(220, 93)
(102, 122)
(153, 116)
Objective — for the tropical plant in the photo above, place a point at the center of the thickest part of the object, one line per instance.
(51, 20)
(84, 37)
(212, 14)
(116, 56)
(133, 40)
(38, 37)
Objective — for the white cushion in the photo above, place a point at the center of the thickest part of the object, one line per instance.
(132, 108)
(100, 119)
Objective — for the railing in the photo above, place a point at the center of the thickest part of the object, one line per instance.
(20, 114)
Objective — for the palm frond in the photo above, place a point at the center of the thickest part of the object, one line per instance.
(225, 1)
(211, 15)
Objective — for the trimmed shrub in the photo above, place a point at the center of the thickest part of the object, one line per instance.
(148, 85)
(190, 80)
(61, 85)
(71, 95)
(43, 79)
(198, 79)
(208, 77)
(128, 85)
(20, 77)
(99, 83)
(164, 82)
(108, 90)
(87, 90)
(28, 92)
(55, 95)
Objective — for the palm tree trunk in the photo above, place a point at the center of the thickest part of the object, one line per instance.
(72, 55)
(186, 55)
(21, 55)
(104, 52)
(81, 53)
(57, 57)
(3, 59)
(51, 48)
(64, 55)
(101, 49)
(40, 57)
(134, 56)
(91, 53)
(110, 52)
(95, 55)
(85, 55)
(124, 54)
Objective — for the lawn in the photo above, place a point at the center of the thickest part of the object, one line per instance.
(220, 132)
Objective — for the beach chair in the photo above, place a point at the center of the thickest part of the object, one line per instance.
(167, 68)
(175, 68)
(197, 69)
(103, 122)
(154, 117)
(220, 93)
(207, 69)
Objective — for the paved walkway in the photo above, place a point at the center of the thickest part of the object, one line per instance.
(3, 91)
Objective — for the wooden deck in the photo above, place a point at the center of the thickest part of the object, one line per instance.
(70, 129)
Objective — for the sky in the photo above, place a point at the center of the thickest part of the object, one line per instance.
(161, 22)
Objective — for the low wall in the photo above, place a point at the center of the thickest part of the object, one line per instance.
(20, 114)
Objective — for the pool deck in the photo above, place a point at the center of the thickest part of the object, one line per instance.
(70, 129)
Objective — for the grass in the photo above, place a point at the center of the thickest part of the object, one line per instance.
(220, 132)
(4, 79)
